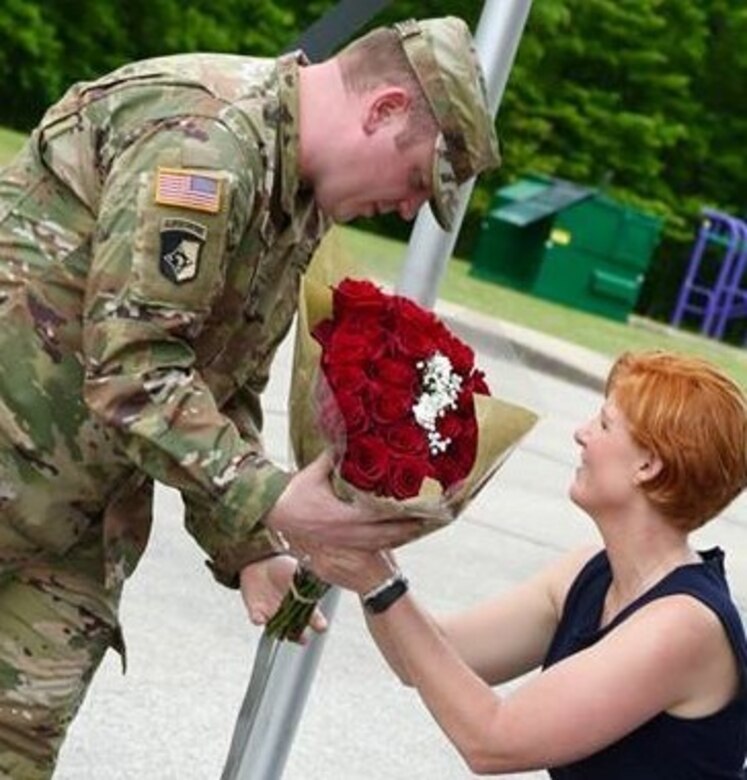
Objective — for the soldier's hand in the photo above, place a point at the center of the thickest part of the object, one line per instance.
(309, 512)
(263, 587)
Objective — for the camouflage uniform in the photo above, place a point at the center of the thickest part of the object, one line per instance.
(152, 237)
(153, 233)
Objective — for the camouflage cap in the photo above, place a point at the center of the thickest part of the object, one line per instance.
(442, 54)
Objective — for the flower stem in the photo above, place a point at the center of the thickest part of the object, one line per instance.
(295, 611)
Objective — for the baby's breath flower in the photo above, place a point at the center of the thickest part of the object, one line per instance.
(440, 389)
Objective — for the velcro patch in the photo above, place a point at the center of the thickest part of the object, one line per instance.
(195, 190)
(181, 246)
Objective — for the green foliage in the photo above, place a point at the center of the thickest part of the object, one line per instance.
(643, 97)
(10, 143)
(47, 45)
(29, 61)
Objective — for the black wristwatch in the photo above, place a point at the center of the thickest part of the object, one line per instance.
(383, 596)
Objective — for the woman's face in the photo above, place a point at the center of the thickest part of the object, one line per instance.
(611, 462)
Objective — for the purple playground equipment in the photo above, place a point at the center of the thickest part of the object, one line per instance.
(734, 295)
(717, 300)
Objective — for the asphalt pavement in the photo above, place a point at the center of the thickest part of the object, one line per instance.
(190, 647)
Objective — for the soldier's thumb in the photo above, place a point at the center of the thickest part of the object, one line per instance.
(322, 465)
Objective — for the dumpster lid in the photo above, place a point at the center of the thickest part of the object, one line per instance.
(543, 198)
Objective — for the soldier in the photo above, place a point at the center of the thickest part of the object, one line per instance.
(153, 232)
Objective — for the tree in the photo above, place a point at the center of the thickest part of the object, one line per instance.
(30, 56)
(643, 97)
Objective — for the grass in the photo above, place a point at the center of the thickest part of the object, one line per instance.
(382, 258)
(10, 143)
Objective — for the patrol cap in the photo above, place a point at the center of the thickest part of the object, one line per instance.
(442, 54)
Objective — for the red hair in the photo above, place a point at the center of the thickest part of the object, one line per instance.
(694, 418)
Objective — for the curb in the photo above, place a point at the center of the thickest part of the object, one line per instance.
(538, 351)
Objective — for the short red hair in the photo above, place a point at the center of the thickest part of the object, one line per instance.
(694, 418)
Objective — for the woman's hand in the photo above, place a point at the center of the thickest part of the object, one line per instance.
(353, 570)
(263, 586)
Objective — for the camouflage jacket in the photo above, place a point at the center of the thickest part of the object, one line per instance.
(144, 288)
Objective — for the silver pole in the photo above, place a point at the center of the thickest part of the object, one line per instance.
(274, 702)
(496, 40)
(283, 672)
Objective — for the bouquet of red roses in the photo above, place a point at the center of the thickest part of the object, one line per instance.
(397, 399)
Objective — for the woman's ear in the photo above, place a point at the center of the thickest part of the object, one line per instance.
(384, 105)
(650, 466)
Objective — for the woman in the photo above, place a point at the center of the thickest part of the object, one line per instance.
(643, 654)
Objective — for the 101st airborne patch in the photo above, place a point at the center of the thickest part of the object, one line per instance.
(181, 247)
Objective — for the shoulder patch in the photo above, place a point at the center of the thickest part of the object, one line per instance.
(197, 190)
(181, 246)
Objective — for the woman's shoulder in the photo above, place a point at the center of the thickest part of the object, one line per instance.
(690, 637)
(701, 594)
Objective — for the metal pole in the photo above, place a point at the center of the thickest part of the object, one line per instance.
(496, 40)
(281, 679)
(284, 673)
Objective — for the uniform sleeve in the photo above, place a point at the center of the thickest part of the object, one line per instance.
(245, 411)
(173, 209)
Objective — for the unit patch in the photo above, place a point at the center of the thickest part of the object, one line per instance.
(181, 246)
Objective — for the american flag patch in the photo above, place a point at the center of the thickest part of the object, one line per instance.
(188, 189)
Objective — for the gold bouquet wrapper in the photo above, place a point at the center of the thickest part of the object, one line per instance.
(501, 425)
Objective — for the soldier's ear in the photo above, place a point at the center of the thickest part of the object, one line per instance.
(383, 106)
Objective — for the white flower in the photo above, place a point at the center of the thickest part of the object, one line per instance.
(440, 389)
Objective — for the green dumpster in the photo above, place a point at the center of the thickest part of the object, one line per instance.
(566, 243)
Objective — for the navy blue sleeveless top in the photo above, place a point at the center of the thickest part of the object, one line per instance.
(665, 747)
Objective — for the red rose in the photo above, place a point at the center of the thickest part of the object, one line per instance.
(464, 448)
(449, 472)
(406, 475)
(407, 438)
(347, 347)
(450, 426)
(323, 332)
(365, 462)
(411, 341)
(346, 376)
(406, 310)
(364, 341)
(461, 356)
(353, 411)
(478, 384)
(391, 404)
(357, 295)
(465, 404)
(393, 371)
(351, 346)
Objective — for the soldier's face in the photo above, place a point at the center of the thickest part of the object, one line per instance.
(382, 177)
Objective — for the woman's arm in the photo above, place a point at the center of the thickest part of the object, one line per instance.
(499, 639)
(573, 709)
(508, 635)
(361, 572)
(650, 663)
